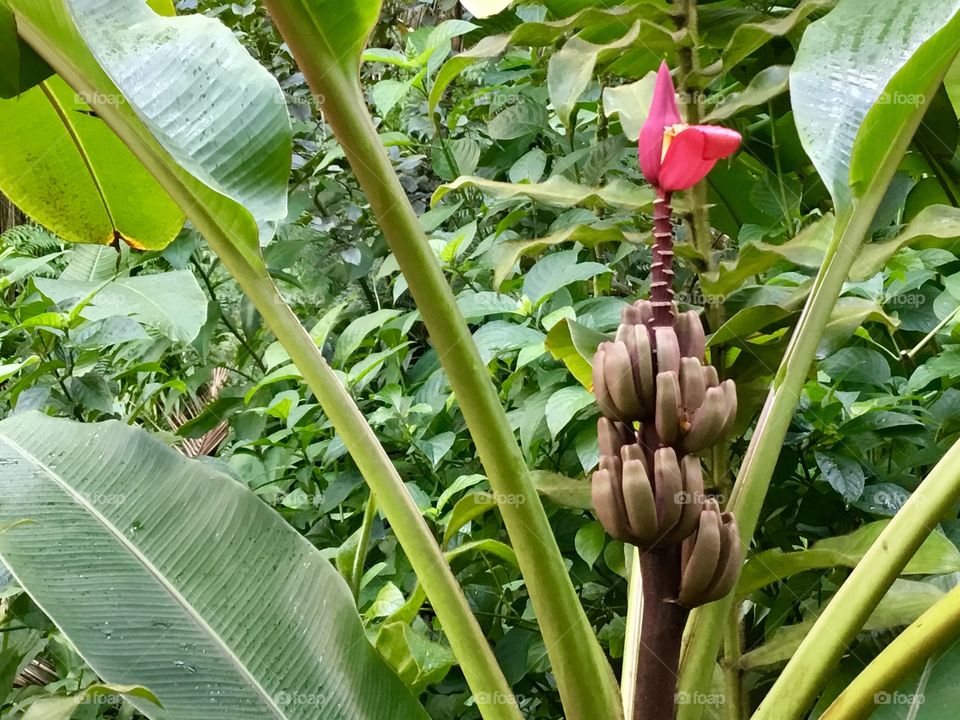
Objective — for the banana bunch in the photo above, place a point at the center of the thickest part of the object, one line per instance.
(711, 559)
(644, 506)
(658, 374)
(661, 406)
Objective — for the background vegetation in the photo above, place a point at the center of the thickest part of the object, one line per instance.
(522, 169)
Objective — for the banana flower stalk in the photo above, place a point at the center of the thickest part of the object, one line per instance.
(662, 407)
(674, 156)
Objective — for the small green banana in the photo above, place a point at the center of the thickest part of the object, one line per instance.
(692, 384)
(618, 373)
(667, 416)
(668, 492)
(702, 552)
(707, 422)
(639, 501)
(693, 341)
(668, 350)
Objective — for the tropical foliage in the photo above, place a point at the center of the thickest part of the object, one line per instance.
(299, 304)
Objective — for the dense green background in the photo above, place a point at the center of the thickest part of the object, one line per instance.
(523, 170)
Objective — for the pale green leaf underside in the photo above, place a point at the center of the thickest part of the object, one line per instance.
(937, 555)
(904, 602)
(843, 67)
(170, 302)
(556, 192)
(168, 574)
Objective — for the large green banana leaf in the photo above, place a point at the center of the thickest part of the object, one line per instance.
(170, 575)
(65, 168)
(203, 116)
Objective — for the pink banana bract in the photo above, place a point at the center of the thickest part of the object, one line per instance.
(673, 155)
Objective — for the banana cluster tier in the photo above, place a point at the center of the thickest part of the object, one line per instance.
(662, 406)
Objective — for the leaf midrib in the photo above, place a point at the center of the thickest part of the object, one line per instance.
(153, 570)
(81, 150)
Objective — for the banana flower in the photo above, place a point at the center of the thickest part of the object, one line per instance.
(673, 155)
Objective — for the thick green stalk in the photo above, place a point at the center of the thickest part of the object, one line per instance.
(631, 643)
(927, 636)
(363, 540)
(732, 650)
(584, 677)
(805, 675)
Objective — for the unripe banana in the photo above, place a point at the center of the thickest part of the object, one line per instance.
(637, 340)
(645, 308)
(707, 423)
(638, 498)
(730, 563)
(667, 415)
(634, 451)
(693, 341)
(618, 373)
(710, 376)
(692, 384)
(607, 507)
(692, 499)
(668, 350)
(668, 491)
(631, 315)
(610, 436)
(701, 557)
(600, 388)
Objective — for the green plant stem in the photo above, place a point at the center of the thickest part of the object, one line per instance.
(663, 618)
(732, 650)
(631, 642)
(360, 556)
(584, 676)
(927, 636)
(702, 641)
(227, 323)
(913, 352)
(805, 675)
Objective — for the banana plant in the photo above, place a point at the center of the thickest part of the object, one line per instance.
(212, 142)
